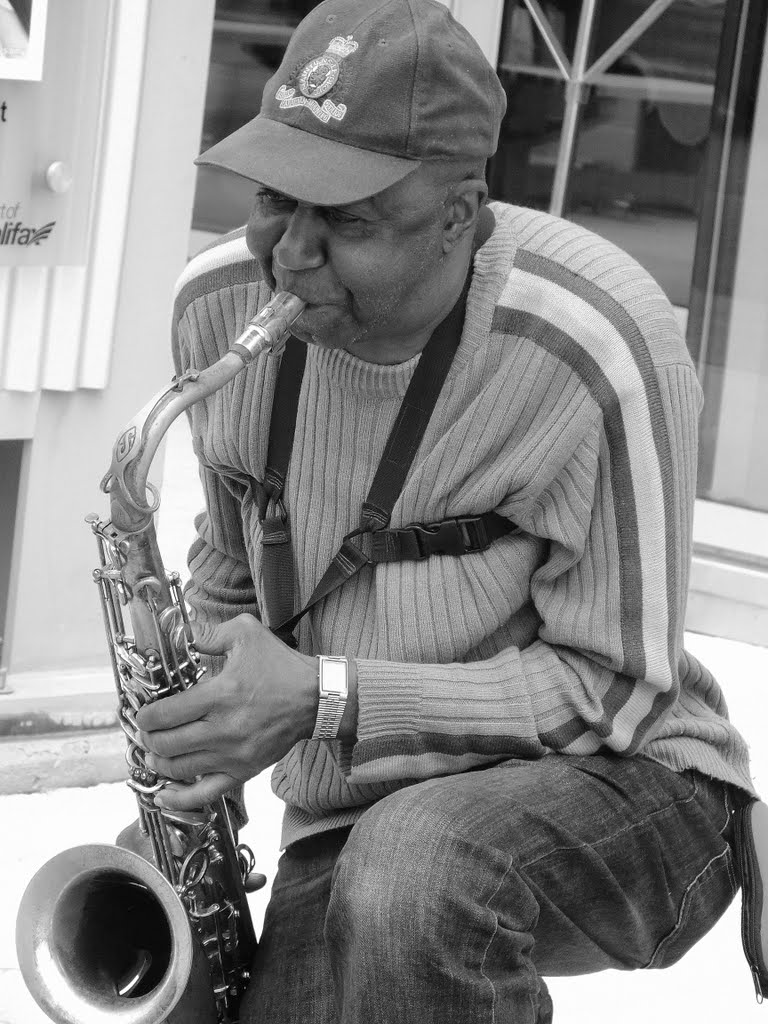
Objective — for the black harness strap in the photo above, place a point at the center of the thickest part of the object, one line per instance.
(414, 415)
(277, 561)
(459, 536)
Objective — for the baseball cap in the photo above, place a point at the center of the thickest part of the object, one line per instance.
(367, 91)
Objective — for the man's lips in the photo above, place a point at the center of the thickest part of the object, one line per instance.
(311, 298)
(314, 303)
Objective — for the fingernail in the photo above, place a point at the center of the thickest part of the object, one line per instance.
(160, 802)
(149, 760)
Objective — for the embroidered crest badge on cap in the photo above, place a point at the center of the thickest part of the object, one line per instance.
(317, 78)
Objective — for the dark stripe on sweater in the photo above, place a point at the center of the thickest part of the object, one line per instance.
(426, 744)
(545, 334)
(619, 692)
(243, 271)
(626, 327)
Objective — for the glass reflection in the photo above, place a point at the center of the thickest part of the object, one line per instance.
(523, 169)
(682, 43)
(249, 40)
(524, 166)
(637, 178)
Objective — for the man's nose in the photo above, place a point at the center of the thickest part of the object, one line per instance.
(301, 246)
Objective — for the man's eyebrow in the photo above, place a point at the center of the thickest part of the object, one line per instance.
(362, 206)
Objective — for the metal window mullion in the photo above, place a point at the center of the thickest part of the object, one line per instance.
(553, 43)
(574, 92)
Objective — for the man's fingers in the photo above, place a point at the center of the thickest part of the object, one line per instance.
(197, 794)
(178, 709)
(213, 639)
(184, 768)
(210, 638)
(184, 739)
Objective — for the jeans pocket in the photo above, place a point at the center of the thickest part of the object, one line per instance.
(703, 903)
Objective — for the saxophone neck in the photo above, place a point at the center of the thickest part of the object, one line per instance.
(133, 499)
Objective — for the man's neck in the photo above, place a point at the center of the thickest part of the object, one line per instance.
(388, 350)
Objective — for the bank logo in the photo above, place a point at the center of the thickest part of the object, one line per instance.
(20, 234)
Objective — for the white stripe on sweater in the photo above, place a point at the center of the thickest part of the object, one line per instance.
(599, 338)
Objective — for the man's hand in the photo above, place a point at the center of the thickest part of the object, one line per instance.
(235, 725)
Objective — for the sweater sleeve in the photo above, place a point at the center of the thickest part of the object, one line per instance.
(221, 584)
(602, 673)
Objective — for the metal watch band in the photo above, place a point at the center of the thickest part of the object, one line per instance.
(332, 684)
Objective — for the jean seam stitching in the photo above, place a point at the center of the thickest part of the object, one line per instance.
(607, 839)
(684, 904)
(727, 809)
(493, 936)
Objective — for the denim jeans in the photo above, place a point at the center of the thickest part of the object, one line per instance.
(450, 899)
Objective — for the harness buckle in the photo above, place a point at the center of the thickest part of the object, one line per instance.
(451, 536)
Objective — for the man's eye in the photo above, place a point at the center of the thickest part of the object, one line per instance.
(270, 198)
(340, 217)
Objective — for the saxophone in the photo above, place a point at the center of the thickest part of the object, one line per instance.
(102, 935)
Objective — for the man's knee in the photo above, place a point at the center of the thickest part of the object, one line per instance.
(407, 869)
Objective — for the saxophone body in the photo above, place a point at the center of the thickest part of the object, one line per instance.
(102, 935)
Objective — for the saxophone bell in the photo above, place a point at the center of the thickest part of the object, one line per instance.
(103, 937)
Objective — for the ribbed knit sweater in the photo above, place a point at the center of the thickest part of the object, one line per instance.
(571, 408)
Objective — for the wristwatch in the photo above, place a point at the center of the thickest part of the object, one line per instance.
(333, 688)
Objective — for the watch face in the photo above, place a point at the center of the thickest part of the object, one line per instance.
(333, 677)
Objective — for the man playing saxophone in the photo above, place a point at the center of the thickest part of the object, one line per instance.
(474, 477)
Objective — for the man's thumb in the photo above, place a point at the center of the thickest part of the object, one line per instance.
(211, 637)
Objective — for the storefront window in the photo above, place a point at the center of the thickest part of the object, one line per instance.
(249, 39)
(637, 119)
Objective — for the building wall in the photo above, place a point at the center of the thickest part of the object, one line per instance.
(95, 343)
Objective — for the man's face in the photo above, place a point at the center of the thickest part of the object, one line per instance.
(367, 270)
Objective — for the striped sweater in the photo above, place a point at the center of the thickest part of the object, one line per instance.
(571, 407)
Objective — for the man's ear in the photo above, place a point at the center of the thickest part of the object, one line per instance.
(461, 209)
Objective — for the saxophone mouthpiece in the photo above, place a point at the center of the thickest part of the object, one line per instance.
(270, 328)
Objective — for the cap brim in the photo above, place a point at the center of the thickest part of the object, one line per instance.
(305, 166)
